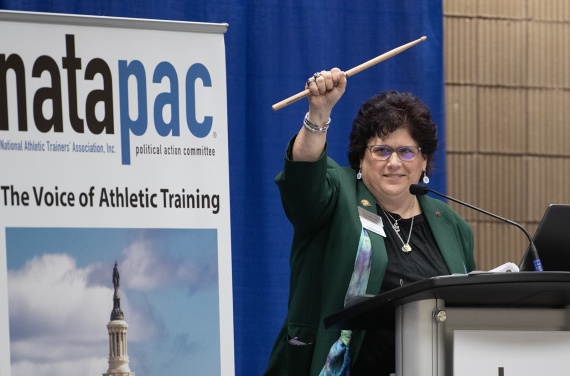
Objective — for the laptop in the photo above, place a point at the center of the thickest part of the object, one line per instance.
(552, 241)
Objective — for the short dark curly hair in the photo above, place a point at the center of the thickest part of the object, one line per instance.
(387, 112)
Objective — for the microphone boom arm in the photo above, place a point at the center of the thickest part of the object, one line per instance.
(417, 189)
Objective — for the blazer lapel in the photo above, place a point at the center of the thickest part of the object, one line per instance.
(445, 237)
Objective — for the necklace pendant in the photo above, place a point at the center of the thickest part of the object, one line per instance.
(406, 248)
(396, 227)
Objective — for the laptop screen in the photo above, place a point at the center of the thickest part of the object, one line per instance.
(552, 240)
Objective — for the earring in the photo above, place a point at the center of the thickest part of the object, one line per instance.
(359, 174)
(425, 178)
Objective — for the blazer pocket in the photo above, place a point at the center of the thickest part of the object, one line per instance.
(300, 347)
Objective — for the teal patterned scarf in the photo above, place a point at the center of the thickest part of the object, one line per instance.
(338, 359)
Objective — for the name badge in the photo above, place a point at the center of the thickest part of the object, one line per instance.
(371, 221)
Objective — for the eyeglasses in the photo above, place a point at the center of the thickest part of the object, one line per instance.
(384, 152)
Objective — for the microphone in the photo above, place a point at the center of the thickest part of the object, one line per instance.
(420, 190)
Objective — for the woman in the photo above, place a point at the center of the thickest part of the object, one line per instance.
(340, 247)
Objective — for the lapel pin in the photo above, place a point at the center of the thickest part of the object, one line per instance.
(365, 203)
(437, 214)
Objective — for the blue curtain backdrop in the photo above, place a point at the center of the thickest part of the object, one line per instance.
(272, 48)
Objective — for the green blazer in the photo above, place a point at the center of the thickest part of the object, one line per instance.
(321, 200)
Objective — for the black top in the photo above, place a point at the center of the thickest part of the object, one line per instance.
(422, 262)
(377, 355)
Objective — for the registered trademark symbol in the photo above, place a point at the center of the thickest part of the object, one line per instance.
(215, 134)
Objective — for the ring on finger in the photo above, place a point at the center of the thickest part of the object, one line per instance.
(317, 75)
(310, 80)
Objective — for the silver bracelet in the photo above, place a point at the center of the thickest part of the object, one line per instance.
(312, 127)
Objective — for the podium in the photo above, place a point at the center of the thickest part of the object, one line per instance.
(426, 314)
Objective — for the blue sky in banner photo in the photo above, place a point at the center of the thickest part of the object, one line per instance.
(59, 280)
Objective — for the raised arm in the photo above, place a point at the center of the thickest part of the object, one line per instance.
(326, 88)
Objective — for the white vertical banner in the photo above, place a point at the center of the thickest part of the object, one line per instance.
(113, 147)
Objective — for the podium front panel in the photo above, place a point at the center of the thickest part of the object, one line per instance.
(521, 353)
(425, 342)
(500, 320)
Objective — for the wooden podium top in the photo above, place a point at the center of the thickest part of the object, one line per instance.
(511, 290)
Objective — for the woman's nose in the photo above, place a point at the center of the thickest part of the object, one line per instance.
(393, 159)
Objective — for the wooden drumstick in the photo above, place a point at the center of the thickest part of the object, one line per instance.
(351, 72)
